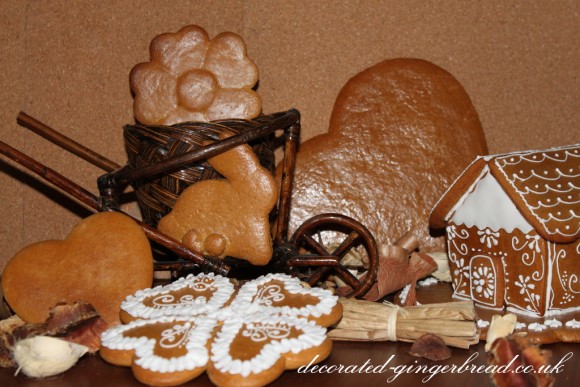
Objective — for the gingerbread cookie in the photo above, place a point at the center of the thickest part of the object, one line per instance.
(399, 133)
(104, 258)
(272, 324)
(254, 351)
(189, 296)
(227, 217)
(166, 351)
(281, 294)
(192, 78)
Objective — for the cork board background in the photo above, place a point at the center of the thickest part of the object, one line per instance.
(67, 64)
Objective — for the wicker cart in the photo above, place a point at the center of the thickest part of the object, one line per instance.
(164, 160)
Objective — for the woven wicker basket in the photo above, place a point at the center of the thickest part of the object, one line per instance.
(150, 144)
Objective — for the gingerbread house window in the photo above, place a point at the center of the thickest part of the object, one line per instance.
(512, 224)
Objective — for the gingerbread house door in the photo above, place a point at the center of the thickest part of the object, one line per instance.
(486, 280)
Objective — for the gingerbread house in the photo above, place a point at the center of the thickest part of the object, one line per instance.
(512, 224)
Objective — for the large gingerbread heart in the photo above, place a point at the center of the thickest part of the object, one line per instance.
(105, 258)
(400, 132)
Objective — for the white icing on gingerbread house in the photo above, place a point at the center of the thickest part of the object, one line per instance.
(513, 226)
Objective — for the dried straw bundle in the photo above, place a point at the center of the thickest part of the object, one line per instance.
(362, 320)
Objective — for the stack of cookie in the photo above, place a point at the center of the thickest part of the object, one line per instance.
(192, 78)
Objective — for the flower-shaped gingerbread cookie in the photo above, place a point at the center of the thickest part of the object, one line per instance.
(192, 78)
(272, 324)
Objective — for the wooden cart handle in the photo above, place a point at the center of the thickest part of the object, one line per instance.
(206, 263)
(66, 143)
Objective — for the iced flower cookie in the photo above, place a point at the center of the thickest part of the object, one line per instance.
(243, 338)
(189, 296)
(165, 352)
(255, 351)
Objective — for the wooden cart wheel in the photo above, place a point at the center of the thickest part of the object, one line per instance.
(316, 261)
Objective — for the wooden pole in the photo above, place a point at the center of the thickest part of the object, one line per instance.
(212, 264)
(66, 143)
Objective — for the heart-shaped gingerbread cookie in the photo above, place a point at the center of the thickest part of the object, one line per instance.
(166, 351)
(255, 350)
(104, 258)
(271, 324)
(400, 132)
(281, 294)
(186, 297)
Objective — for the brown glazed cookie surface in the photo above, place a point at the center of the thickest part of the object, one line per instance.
(400, 133)
(188, 296)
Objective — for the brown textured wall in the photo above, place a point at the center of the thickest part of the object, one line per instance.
(67, 64)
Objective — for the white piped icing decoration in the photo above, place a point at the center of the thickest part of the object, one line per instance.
(404, 293)
(555, 171)
(189, 333)
(427, 281)
(553, 323)
(537, 327)
(260, 328)
(482, 323)
(262, 295)
(573, 324)
(520, 326)
(164, 302)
